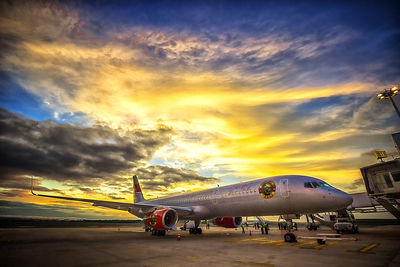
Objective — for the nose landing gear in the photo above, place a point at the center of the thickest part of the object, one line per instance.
(289, 236)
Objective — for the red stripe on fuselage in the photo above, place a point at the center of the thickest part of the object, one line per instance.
(137, 188)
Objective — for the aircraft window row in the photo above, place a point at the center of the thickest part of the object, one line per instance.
(316, 185)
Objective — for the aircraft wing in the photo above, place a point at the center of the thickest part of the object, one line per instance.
(145, 207)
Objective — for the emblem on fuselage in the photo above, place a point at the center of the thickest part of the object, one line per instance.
(267, 189)
(153, 220)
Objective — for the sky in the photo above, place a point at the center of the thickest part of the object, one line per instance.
(188, 95)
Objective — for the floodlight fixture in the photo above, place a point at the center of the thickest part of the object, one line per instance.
(389, 94)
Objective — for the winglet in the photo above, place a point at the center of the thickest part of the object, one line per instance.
(32, 187)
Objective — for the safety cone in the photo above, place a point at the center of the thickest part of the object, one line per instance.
(179, 237)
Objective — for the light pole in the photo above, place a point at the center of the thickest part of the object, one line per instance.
(388, 94)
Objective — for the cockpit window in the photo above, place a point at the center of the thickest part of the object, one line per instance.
(325, 185)
(315, 184)
(308, 185)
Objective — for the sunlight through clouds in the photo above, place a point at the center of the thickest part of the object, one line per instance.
(254, 97)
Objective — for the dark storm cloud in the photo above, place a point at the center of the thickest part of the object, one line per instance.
(161, 177)
(66, 152)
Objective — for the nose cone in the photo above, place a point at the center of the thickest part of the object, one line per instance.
(343, 199)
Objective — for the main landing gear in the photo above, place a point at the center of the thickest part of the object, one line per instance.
(158, 232)
(196, 229)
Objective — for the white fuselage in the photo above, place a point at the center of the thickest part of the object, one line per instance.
(291, 195)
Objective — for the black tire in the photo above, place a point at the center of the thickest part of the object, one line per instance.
(191, 231)
(321, 242)
(199, 231)
(153, 232)
(289, 237)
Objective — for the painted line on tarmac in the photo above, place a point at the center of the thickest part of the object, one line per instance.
(253, 239)
(280, 244)
(254, 263)
(305, 244)
(193, 257)
(318, 247)
(365, 250)
(269, 242)
(368, 248)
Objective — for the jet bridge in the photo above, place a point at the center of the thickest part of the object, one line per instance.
(382, 182)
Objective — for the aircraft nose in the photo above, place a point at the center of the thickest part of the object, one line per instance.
(343, 199)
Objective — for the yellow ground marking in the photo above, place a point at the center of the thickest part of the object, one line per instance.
(193, 257)
(253, 239)
(281, 244)
(269, 242)
(254, 263)
(306, 243)
(324, 245)
(139, 251)
(366, 249)
(319, 246)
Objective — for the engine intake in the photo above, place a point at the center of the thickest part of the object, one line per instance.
(162, 219)
(228, 222)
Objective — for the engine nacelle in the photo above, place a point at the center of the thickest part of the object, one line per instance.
(162, 219)
(228, 222)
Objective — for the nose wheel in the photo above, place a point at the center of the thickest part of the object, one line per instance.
(290, 237)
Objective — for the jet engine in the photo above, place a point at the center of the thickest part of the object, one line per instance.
(162, 219)
(228, 222)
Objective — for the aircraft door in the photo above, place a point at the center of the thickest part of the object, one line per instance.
(284, 188)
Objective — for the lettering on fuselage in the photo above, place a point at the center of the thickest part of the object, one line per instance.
(267, 189)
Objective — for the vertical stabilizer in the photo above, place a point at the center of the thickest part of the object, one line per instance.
(137, 191)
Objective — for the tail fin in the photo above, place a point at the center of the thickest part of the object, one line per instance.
(137, 192)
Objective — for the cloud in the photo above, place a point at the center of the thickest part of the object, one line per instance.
(66, 152)
(247, 92)
(163, 178)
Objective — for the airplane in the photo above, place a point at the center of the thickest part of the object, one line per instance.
(226, 205)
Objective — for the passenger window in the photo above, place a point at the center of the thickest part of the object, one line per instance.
(308, 185)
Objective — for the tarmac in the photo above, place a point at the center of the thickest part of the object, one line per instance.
(131, 246)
